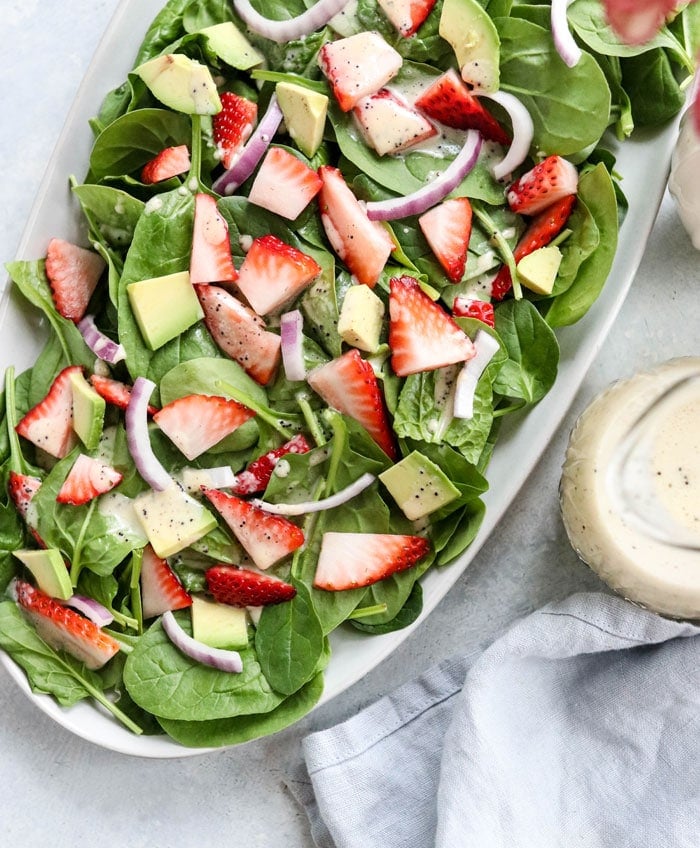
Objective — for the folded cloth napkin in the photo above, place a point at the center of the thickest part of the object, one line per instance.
(579, 727)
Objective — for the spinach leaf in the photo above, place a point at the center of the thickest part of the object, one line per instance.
(651, 85)
(164, 29)
(408, 613)
(533, 352)
(111, 213)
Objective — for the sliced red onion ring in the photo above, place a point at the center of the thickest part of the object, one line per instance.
(218, 658)
(252, 152)
(91, 609)
(523, 132)
(281, 31)
(138, 440)
(101, 345)
(341, 497)
(435, 191)
(291, 326)
(564, 41)
(468, 378)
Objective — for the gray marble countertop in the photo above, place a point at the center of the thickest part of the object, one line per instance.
(60, 790)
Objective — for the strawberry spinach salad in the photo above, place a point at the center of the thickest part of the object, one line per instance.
(328, 251)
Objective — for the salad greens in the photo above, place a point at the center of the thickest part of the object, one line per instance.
(143, 230)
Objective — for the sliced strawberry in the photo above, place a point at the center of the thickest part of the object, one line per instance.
(549, 181)
(233, 125)
(257, 475)
(210, 260)
(357, 66)
(447, 229)
(266, 538)
(195, 423)
(241, 587)
(88, 478)
(274, 273)
(350, 385)
(352, 560)
(389, 123)
(170, 162)
(422, 336)
(160, 588)
(449, 101)
(22, 489)
(64, 629)
(407, 15)
(543, 228)
(114, 392)
(284, 184)
(49, 424)
(637, 21)
(469, 307)
(73, 273)
(363, 245)
(240, 333)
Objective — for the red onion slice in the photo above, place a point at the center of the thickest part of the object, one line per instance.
(281, 31)
(138, 440)
(523, 132)
(468, 378)
(252, 152)
(218, 658)
(564, 41)
(292, 345)
(435, 191)
(90, 608)
(341, 497)
(101, 345)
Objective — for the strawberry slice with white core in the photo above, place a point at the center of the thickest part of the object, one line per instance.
(358, 66)
(389, 124)
(241, 587)
(266, 538)
(170, 162)
(22, 488)
(354, 560)
(470, 307)
(160, 588)
(406, 15)
(447, 229)
(73, 273)
(195, 423)
(549, 181)
(284, 184)
(363, 245)
(88, 478)
(49, 424)
(210, 260)
(240, 333)
(273, 273)
(449, 101)
(422, 335)
(114, 392)
(256, 476)
(64, 629)
(233, 125)
(350, 385)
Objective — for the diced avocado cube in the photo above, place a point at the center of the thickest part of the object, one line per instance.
(88, 411)
(360, 321)
(172, 519)
(229, 44)
(470, 30)
(538, 270)
(181, 83)
(219, 625)
(164, 307)
(418, 486)
(304, 114)
(49, 570)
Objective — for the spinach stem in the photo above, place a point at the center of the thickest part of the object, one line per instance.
(76, 563)
(365, 612)
(196, 151)
(264, 412)
(17, 460)
(504, 248)
(310, 418)
(340, 438)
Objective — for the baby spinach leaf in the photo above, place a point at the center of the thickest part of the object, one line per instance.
(111, 213)
(164, 29)
(451, 536)
(408, 613)
(651, 85)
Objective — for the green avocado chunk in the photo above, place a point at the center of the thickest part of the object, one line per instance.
(49, 570)
(468, 28)
(219, 625)
(418, 486)
(181, 83)
(164, 307)
(88, 411)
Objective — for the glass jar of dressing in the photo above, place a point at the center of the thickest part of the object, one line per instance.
(630, 488)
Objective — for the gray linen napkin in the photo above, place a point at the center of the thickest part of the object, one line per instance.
(579, 727)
